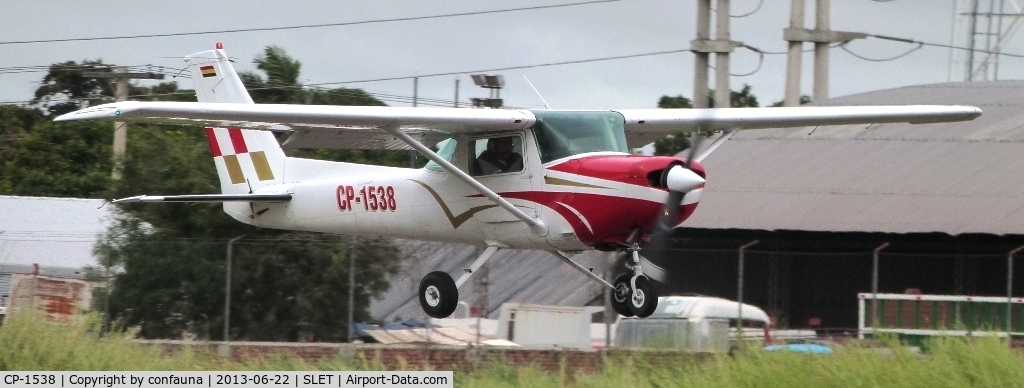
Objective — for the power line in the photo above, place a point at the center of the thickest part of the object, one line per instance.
(510, 67)
(757, 8)
(449, 73)
(949, 46)
(844, 48)
(231, 31)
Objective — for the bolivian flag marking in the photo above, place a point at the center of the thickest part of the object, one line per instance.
(208, 71)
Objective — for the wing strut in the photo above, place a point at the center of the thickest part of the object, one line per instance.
(714, 146)
(536, 225)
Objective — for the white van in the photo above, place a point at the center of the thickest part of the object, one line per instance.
(695, 323)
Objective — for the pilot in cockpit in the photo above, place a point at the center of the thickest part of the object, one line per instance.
(499, 157)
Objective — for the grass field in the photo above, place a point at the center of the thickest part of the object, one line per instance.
(28, 343)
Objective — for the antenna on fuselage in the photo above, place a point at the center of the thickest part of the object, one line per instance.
(546, 106)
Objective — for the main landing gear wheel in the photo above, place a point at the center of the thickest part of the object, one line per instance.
(643, 300)
(620, 297)
(438, 294)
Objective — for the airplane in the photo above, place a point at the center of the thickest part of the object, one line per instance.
(562, 181)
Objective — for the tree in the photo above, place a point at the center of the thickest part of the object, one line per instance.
(65, 89)
(41, 158)
(280, 84)
(675, 143)
(804, 99)
(284, 284)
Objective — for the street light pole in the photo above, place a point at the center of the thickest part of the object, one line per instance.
(227, 288)
(351, 284)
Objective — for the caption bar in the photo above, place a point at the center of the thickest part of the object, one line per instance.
(227, 379)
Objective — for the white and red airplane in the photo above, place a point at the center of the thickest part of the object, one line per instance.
(562, 181)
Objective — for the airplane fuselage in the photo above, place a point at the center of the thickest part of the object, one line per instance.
(585, 200)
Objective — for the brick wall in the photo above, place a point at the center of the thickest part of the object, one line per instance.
(435, 357)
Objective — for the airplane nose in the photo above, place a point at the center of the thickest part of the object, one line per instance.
(682, 179)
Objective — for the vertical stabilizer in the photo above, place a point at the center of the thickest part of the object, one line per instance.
(215, 79)
(246, 159)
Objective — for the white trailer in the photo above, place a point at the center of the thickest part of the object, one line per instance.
(694, 323)
(545, 326)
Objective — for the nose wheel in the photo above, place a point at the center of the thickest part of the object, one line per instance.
(634, 296)
(439, 297)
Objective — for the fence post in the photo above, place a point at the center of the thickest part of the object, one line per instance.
(1009, 292)
(739, 291)
(874, 286)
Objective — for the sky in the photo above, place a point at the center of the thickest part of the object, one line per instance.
(471, 43)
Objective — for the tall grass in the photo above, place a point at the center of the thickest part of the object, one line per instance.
(951, 362)
(29, 343)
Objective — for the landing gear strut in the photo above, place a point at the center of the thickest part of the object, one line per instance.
(634, 289)
(632, 294)
(439, 294)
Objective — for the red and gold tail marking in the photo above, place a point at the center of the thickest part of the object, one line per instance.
(238, 147)
(211, 136)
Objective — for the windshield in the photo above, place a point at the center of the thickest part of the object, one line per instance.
(561, 133)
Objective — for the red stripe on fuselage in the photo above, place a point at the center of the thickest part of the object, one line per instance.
(611, 218)
(237, 140)
(211, 136)
(629, 169)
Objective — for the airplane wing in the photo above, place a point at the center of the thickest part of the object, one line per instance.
(647, 125)
(329, 126)
(317, 126)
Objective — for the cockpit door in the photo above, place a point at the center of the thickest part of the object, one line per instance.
(504, 163)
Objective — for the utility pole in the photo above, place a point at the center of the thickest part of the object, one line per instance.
(227, 288)
(456, 102)
(351, 283)
(415, 101)
(481, 281)
(121, 76)
(415, 91)
(703, 46)
(821, 36)
(985, 39)
(722, 90)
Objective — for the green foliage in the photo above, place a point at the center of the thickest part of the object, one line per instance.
(741, 99)
(675, 143)
(31, 343)
(285, 285)
(65, 89)
(170, 257)
(804, 99)
(280, 85)
(677, 102)
(42, 158)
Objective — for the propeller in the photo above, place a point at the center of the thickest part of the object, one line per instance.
(679, 179)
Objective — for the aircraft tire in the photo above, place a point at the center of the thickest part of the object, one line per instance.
(643, 301)
(620, 297)
(438, 294)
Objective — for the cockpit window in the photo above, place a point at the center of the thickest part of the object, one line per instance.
(565, 133)
(445, 149)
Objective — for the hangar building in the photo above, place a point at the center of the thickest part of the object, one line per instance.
(948, 198)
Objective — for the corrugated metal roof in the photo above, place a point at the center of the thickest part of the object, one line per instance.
(515, 276)
(897, 178)
(51, 232)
